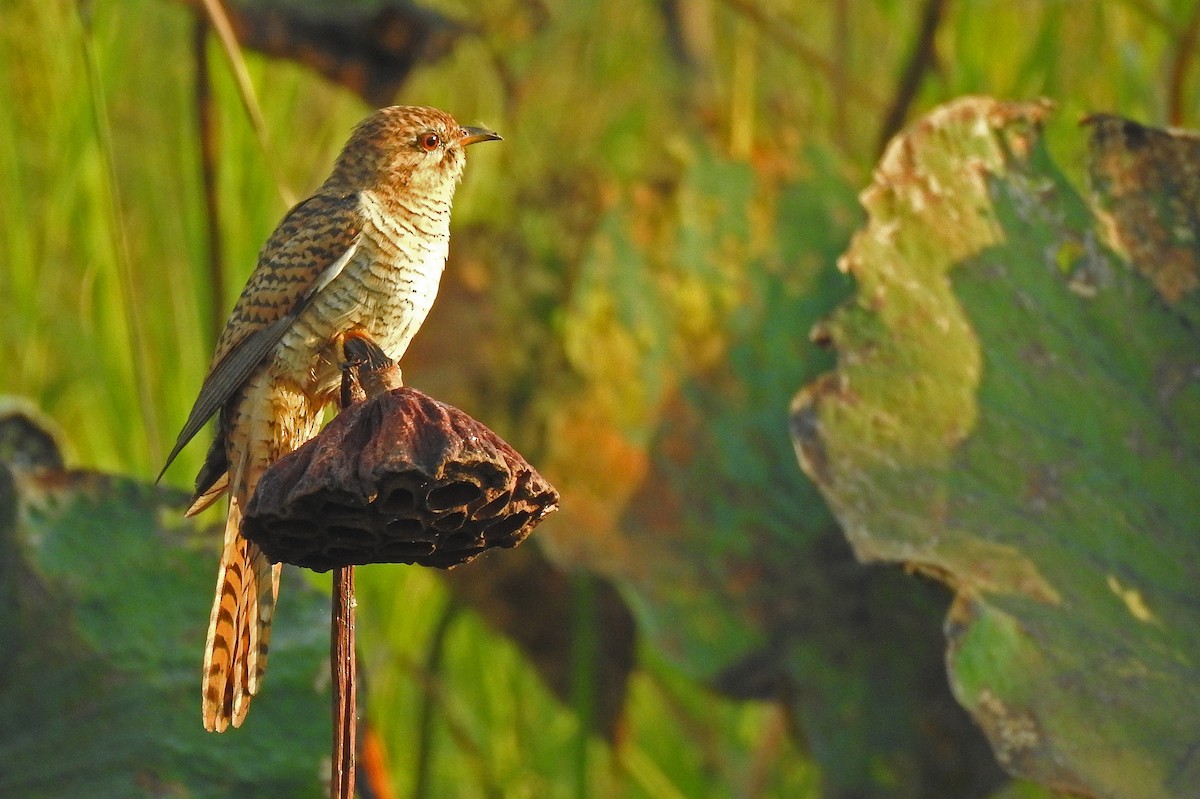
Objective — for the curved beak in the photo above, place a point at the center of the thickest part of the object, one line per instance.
(473, 135)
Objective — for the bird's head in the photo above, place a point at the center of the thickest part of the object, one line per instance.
(407, 147)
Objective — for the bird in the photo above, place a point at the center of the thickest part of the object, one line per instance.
(365, 252)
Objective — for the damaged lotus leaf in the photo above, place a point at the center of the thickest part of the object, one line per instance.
(106, 599)
(1016, 411)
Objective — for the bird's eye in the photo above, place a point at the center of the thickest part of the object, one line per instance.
(429, 141)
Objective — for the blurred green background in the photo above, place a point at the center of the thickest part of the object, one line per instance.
(633, 277)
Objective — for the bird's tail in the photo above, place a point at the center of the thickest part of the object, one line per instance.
(239, 627)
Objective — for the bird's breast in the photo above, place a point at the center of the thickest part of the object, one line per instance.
(387, 287)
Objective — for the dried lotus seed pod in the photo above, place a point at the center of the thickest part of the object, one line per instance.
(396, 478)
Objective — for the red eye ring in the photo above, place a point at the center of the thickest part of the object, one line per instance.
(429, 141)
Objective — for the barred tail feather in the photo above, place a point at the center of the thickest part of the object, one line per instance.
(261, 594)
(267, 421)
(224, 684)
(203, 500)
(239, 629)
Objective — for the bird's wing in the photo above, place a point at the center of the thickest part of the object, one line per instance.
(308, 249)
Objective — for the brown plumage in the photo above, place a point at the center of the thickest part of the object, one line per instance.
(365, 251)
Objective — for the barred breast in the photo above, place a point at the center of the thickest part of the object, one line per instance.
(388, 287)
